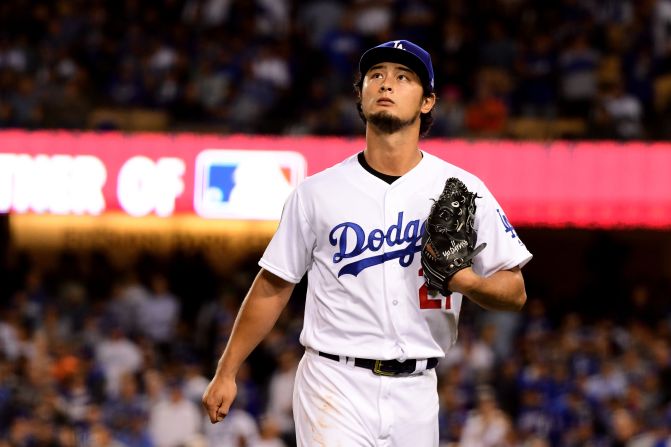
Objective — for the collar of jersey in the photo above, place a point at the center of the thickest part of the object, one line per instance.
(389, 179)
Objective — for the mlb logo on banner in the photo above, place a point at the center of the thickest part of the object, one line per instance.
(245, 184)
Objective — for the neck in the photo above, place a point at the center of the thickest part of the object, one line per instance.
(392, 154)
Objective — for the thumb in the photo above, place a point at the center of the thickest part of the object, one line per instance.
(222, 411)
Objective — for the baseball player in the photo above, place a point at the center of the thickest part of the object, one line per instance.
(367, 377)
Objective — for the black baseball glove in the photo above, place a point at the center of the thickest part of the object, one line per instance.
(448, 242)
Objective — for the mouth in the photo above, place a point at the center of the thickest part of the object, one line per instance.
(385, 102)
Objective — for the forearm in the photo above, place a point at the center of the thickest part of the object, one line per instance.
(504, 290)
(258, 314)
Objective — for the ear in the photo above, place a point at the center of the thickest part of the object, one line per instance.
(427, 103)
(358, 88)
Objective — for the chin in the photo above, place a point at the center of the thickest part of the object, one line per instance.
(382, 114)
(388, 123)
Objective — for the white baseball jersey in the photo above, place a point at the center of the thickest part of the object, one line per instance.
(359, 240)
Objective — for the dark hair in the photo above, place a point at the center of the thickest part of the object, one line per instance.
(425, 119)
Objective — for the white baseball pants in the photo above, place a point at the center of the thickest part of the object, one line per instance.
(340, 405)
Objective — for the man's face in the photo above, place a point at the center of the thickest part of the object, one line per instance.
(392, 97)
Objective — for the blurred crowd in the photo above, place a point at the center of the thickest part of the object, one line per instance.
(98, 355)
(287, 67)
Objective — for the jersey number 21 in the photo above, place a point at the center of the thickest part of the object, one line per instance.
(427, 301)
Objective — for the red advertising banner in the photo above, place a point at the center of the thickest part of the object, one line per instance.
(586, 184)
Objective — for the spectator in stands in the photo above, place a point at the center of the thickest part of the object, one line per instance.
(448, 115)
(608, 383)
(26, 103)
(194, 380)
(239, 428)
(504, 328)
(10, 345)
(625, 429)
(459, 56)
(101, 436)
(158, 315)
(578, 64)
(487, 115)
(21, 432)
(533, 420)
(121, 412)
(660, 358)
(67, 437)
(474, 353)
(452, 414)
(559, 356)
(536, 68)
(75, 398)
(214, 321)
(373, 18)
(661, 33)
(251, 393)
(269, 435)
(122, 306)
(73, 59)
(341, 47)
(117, 356)
(174, 420)
(280, 392)
(317, 18)
(486, 425)
(625, 112)
(498, 50)
(74, 305)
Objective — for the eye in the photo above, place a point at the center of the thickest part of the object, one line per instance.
(376, 75)
(403, 77)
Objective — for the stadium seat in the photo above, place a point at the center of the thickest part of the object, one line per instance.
(528, 128)
(568, 128)
(132, 120)
(546, 129)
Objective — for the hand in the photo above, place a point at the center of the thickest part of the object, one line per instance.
(449, 239)
(218, 397)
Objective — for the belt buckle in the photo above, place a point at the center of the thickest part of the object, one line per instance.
(378, 371)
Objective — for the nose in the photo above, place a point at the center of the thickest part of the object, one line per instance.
(384, 88)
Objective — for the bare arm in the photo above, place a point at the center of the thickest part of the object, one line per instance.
(262, 306)
(504, 290)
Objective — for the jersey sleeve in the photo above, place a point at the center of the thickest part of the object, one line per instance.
(505, 249)
(289, 252)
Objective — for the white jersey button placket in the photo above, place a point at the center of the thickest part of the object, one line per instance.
(392, 279)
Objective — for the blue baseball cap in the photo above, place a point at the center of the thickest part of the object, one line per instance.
(402, 52)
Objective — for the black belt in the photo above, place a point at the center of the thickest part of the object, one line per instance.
(386, 367)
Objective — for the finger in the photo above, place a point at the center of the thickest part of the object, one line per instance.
(212, 414)
(220, 414)
(212, 411)
(216, 412)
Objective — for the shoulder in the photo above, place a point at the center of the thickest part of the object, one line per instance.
(444, 170)
(329, 177)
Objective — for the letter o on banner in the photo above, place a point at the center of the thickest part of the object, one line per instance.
(135, 186)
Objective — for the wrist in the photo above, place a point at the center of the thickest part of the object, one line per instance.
(465, 281)
(226, 372)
